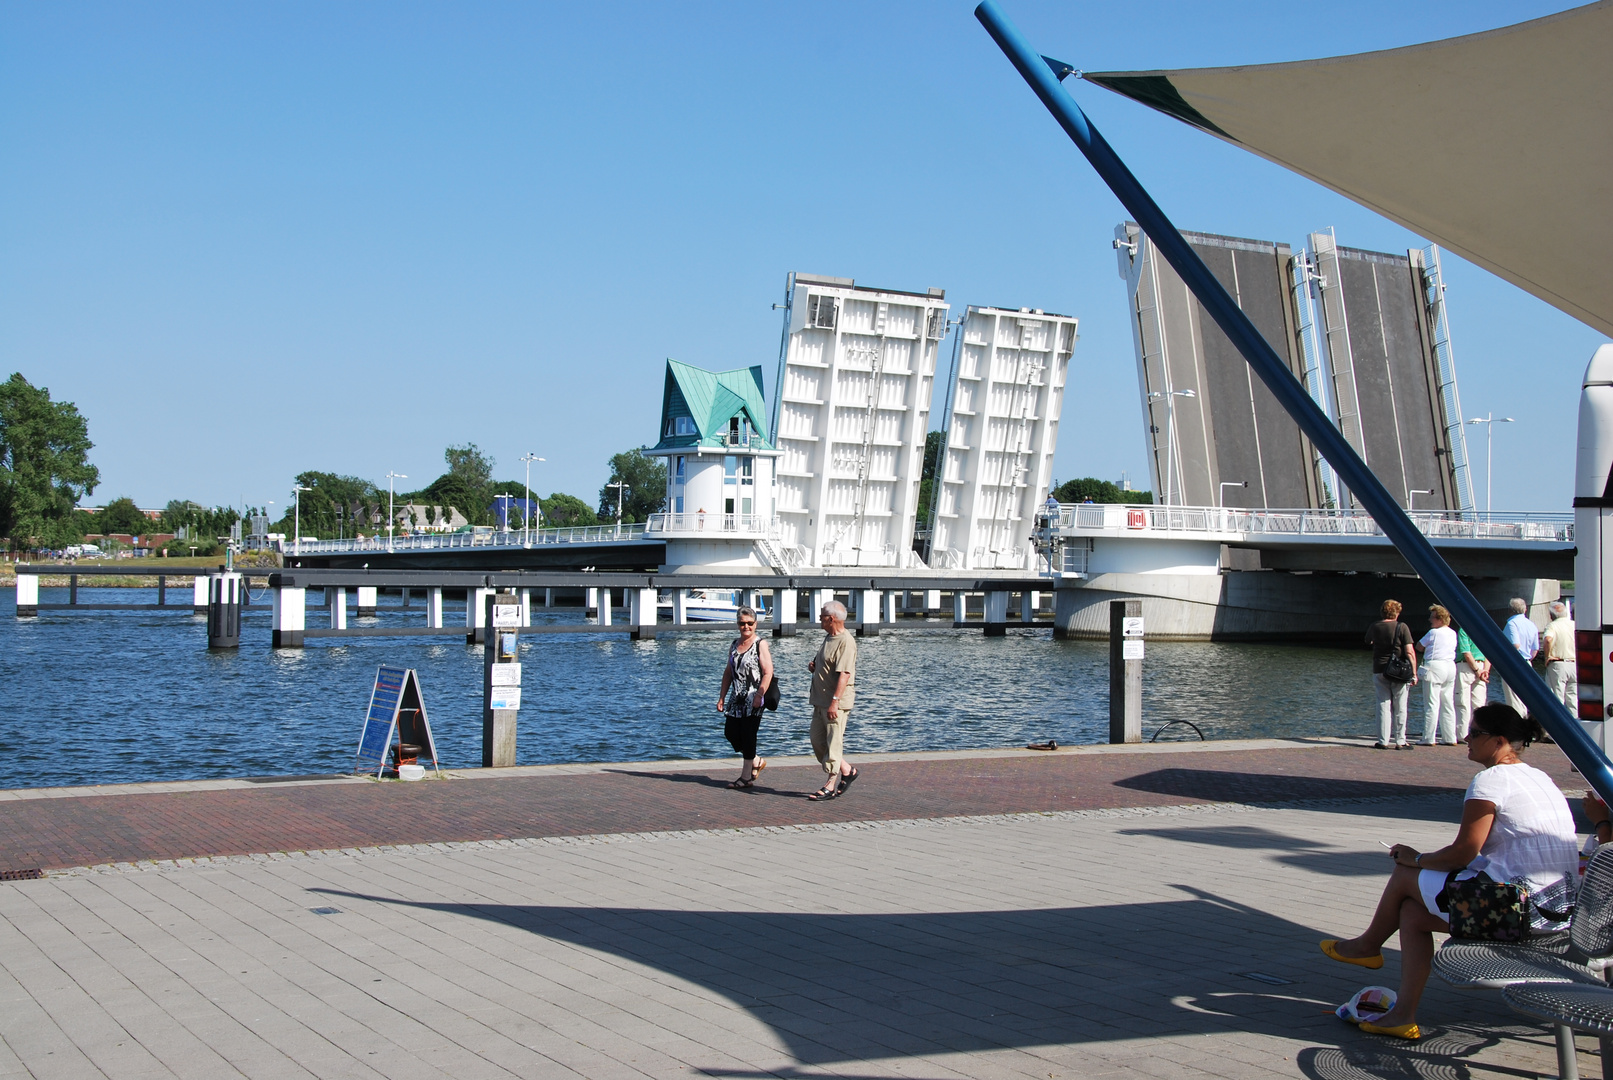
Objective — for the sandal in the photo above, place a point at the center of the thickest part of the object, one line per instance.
(741, 784)
(824, 794)
(761, 763)
(845, 781)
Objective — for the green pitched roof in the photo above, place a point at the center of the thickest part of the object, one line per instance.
(711, 399)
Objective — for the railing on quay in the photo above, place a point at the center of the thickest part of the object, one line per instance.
(1322, 524)
(582, 534)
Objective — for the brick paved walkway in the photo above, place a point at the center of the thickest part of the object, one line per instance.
(51, 833)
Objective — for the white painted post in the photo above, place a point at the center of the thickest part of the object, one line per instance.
(198, 594)
(288, 615)
(643, 606)
(680, 607)
(604, 605)
(820, 597)
(366, 601)
(1028, 602)
(932, 599)
(868, 612)
(784, 602)
(548, 598)
(526, 607)
(888, 609)
(336, 598)
(27, 594)
(434, 607)
(476, 615)
(996, 613)
(960, 606)
(591, 604)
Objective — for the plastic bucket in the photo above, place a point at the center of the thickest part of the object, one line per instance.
(411, 772)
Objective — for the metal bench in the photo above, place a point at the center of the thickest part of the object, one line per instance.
(1572, 961)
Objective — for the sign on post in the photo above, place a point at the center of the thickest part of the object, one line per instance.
(501, 681)
(1125, 671)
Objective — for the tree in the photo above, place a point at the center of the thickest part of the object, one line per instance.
(44, 465)
(469, 464)
(932, 462)
(1098, 491)
(564, 511)
(332, 506)
(645, 478)
(466, 486)
(123, 516)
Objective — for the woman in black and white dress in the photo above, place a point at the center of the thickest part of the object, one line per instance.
(744, 687)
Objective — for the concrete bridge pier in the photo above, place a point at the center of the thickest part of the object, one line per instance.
(336, 600)
(526, 608)
(288, 615)
(476, 615)
(548, 598)
(27, 594)
(784, 605)
(932, 599)
(680, 607)
(887, 607)
(642, 608)
(1028, 603)
(590, 603)
(867, 603)
(366, 601)
(821, 597)
(434, 608)
(960, 606)
(603, 602)
(996, 613)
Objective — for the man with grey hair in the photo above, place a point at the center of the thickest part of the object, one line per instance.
(834, 689)
(1526, 639)
(1561, 662)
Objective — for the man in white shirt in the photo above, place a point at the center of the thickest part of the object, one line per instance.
(1526, 639)
(1561, 662)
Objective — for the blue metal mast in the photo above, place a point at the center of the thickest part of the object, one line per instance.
(1044, 76)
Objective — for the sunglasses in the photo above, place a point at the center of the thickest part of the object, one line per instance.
(742, 622)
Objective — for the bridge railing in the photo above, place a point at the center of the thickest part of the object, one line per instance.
(1231, 521)
(699, 523)
(581, 534)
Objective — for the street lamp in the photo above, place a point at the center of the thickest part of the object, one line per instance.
(1170, 439)
(296, 521)
(526, 510)
(391, 518)
(1411, 496)
(1221, 492)
(621, 490)
(1489, 421)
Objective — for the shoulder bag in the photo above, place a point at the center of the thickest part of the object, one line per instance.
(1479, 909)
(1398, 667)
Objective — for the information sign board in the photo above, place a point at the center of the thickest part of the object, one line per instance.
(504, 697)
(1131, 649)
(506, 674)
(1131, 626)
(397, 714)
(506, 616)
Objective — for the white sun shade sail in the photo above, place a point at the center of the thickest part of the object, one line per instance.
(1498, 146)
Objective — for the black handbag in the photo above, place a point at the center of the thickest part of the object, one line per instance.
(1398, 668)
(770, 695)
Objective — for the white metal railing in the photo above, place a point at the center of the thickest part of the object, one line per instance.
(582, 534)
(701, 523)
(1230, 521)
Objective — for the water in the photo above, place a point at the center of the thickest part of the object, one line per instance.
(109, 697)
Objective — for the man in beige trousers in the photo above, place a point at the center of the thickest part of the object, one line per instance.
(834, 691)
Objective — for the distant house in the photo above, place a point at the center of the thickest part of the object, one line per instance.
(719, 462)
(412, 517)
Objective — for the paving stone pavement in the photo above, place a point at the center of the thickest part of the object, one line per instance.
(1109, 942)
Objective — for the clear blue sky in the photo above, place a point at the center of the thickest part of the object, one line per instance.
(249, 240)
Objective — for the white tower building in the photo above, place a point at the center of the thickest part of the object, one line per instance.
(851, 408)
(1001, 424)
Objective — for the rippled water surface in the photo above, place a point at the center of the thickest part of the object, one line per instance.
(102, 697)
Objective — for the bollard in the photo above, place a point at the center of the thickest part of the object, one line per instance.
(27, 595)
(224, 611)
(501, 676)
(1125, 671)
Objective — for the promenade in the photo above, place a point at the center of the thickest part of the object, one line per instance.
(1103, 912)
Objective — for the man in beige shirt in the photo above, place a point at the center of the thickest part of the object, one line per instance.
(1562, 674)
(834, 691)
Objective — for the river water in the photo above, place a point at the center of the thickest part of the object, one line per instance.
(111, 697)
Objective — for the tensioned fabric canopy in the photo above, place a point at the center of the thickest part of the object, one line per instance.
(1497, 146)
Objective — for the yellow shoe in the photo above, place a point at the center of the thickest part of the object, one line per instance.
(1332, 953)
(1402, 1031)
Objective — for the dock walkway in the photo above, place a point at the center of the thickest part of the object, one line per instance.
(1104, 912)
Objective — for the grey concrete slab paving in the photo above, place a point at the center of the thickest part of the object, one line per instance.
(1106, 944)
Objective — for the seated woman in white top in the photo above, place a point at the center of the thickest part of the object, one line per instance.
(1438, 676)
(1516, 827)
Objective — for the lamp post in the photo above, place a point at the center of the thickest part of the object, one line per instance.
(1411, 496)
(526, 510)
(391, 519)
(296, 521)
(1170, 434)
(621, 491)
(1489, 421)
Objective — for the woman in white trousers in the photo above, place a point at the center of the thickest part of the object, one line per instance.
(1437, 673)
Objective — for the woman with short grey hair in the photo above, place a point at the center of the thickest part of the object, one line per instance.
(744, 689)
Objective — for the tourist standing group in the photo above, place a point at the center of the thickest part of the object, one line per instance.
(749, 674)
(1455, 674)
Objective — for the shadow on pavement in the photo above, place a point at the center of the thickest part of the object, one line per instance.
(1302, 853)
(839, 988)
(1215, 785)
(701, 780)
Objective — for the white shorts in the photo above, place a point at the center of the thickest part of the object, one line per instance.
(1431, 882)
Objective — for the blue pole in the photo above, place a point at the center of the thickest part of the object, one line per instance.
(1408, 540)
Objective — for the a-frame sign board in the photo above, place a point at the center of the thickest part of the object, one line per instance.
(397, 707)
